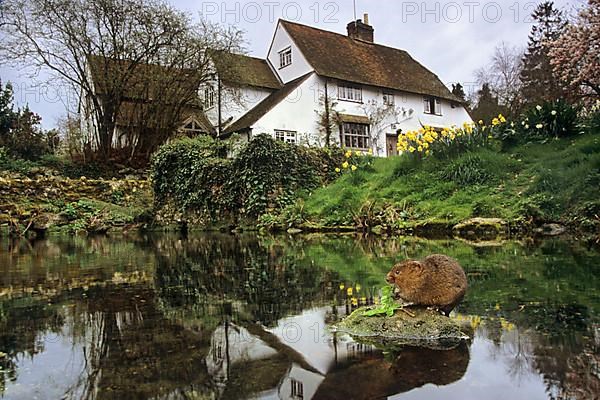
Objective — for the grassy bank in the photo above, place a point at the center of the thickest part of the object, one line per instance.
(557, 180)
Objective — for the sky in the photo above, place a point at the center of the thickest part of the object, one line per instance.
(451, 38)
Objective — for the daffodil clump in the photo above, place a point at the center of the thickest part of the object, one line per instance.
(353, 160)
(449, 140)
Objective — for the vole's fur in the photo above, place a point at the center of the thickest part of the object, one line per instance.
(436, 281)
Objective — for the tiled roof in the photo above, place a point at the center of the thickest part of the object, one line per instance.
(239, 69)
(341, 57)
(252, 116)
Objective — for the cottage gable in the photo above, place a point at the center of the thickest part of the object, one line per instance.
(345, 58)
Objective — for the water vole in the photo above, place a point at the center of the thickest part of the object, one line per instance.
(436, 281)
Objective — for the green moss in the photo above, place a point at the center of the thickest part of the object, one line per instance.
(423, 327)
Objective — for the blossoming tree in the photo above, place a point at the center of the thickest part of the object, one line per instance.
(575, 55)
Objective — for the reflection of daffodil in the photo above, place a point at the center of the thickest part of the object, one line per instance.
(475, 322)
(358, 287)
(539, 108)
(354, 301)
(349, 291)
(553, 112)
(539, 126)
(342, 286)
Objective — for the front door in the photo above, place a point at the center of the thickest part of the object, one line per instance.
(391, 144)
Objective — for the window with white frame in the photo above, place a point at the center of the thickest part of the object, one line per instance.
(297, 389)
(433, 105)
(285, 57)
(356, 136)
(349, 92)
(286, 136)
(192, 128)
(209, 97)
(388, 98)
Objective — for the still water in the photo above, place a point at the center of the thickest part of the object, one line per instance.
(245, 317)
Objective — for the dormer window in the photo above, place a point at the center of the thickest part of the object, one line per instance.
(285, 57)
(349, 92)
(433, 105)
(209, 97)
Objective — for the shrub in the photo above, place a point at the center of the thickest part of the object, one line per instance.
(552, 119)
(592, 118)
(467, 170)
(190, 172)
(270, 173)
(266, 175)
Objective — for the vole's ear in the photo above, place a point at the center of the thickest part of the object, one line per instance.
(416, 266)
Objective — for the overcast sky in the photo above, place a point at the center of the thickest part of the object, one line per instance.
(452, 38)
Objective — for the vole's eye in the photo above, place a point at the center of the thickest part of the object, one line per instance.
(397, 272)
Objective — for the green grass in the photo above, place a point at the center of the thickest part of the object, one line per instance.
(554, 181)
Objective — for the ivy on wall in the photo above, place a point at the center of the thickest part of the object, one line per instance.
(195, 175)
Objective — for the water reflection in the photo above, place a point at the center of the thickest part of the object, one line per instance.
(230, 317)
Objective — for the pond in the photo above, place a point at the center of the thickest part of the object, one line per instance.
(212, 316)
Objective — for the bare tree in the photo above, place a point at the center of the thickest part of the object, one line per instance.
(381, 117)
(503, 74)
(141, 52)
(328, 117)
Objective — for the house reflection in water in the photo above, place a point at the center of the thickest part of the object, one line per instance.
(254, 362)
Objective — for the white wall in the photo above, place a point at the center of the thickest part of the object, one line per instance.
(235, 102)
(299, 65)
(298, 113)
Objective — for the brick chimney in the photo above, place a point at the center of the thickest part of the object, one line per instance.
(361, 30)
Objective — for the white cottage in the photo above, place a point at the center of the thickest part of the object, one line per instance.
(375, 92)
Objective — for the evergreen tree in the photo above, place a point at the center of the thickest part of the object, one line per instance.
(459, 92)
(540, 84)
(487, 106)
(7, 114)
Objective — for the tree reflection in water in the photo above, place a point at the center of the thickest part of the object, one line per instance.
(204, 317)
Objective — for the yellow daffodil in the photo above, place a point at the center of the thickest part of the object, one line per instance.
(345, 165)
(354, 168)
(338, 170)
